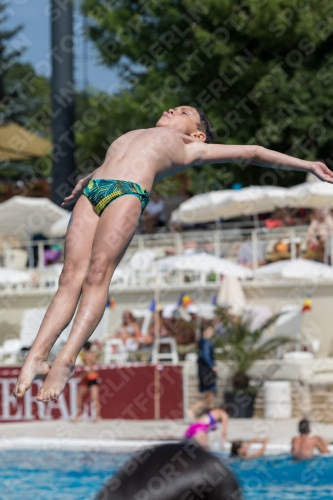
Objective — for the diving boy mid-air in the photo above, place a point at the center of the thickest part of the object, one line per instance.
(109, 205)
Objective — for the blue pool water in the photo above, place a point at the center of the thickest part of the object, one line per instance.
(55, 475)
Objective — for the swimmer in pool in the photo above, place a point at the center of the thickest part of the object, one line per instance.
(303, 446)
(208, 422)
(241, 449)
(109, 205)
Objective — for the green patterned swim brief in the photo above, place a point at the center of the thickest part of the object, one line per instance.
(102, 192)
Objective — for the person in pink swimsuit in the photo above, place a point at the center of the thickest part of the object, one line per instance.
(208, 422)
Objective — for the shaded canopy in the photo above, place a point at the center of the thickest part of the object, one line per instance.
(17, 143)
(229, 203)
(22, 217)
(203, 262)
(300, 269)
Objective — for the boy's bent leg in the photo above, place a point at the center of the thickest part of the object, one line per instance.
(78, 247)
(114, 232)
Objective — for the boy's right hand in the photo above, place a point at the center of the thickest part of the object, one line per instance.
(76, 193)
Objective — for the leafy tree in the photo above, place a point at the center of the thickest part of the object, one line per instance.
(262, 71)
(7, 54)
(27, 94)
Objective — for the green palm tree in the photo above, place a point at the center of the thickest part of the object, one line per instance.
(241, 346)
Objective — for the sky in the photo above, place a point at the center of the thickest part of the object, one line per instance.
(36, 37)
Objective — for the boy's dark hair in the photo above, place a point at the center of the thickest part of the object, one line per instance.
(235, 447)
(206, 127)
(304, 426)
(87, 346)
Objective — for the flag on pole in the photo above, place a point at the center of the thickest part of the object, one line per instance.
(111, 303)
(307, 304)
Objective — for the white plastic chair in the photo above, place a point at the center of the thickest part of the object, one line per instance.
(114, 351)
(192, 357)
(171, 356)
(16, 258)
(145, 315)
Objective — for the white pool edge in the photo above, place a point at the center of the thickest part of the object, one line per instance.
(28, 443)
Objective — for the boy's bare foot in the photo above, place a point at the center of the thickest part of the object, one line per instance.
(34, 367)
(59, 374)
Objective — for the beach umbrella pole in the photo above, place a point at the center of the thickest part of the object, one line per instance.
(293, 253)
(254, 237)
(157, 325)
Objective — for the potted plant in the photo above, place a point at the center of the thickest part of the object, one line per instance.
(240, 347)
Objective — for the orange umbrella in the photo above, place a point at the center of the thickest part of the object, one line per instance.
(17, 143)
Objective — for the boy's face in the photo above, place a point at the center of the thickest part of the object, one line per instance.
(184, 119)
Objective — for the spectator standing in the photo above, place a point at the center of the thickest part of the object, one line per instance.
(207, 370)
(89, 382)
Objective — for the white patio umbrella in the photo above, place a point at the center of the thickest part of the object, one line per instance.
(253, 200)
(230, 203)
(59, 228)
(232, 293)
(21, 216)
(202, 207)
(13, 277)
(311, 195)
(296, 269)
(204, 263)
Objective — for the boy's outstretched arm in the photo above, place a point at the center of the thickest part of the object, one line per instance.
(200, 153)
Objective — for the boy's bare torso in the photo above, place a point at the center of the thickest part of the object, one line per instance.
(145, 156)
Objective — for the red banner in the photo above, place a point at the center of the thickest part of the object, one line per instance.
(132, 391)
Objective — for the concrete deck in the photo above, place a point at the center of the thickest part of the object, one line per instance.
(125, 434)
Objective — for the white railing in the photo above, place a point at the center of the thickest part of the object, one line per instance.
(221, 242)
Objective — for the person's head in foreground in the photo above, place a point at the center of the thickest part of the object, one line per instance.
(173, 472)
(189, 121)
(304, 426)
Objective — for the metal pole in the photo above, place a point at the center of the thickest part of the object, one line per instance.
(217, 249)
(293, 253)
(63, 93)
(254, 237)
(40, 255)
(157, 325)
